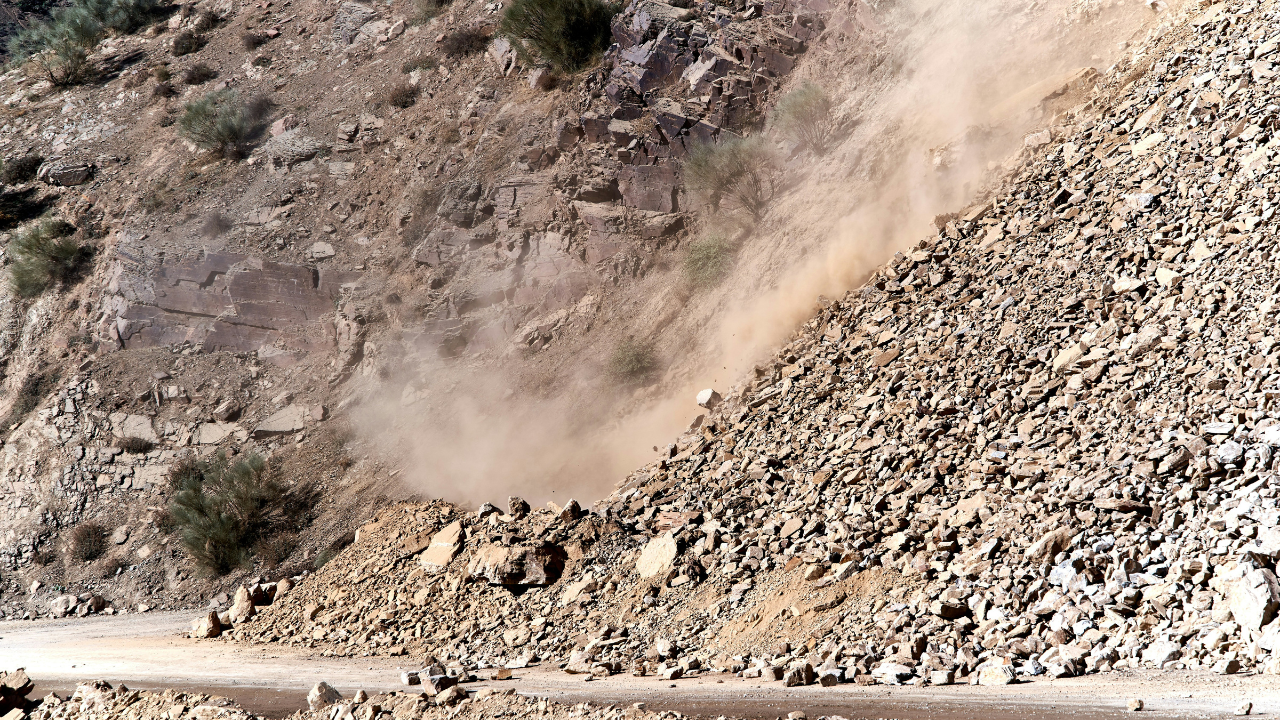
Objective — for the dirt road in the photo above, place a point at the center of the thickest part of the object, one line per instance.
(149, 652)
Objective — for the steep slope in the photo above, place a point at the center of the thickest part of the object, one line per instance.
(1039, 441)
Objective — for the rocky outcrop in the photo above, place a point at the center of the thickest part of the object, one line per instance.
(222, 301)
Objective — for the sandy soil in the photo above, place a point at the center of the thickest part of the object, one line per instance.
(149, 652)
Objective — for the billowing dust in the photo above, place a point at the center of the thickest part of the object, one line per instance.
(955, 88)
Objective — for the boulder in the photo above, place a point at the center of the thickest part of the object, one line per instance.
(206, 626)
(290, 148)
(289, 419)
(242, 607)
(65, 173)
(657, 557)
(348, 20)
(500, 565)
(322, 696)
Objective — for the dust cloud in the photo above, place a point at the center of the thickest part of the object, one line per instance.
(962, 85)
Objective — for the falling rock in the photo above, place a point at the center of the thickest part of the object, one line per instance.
(207, 626)
(1134, 705)
(517, 507)
(322, 696)
(444, 545)
(709, 399)
(657, 557)
(1245, 708)
(289, 419)
(321, 251)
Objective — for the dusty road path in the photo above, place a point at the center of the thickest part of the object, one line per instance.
(149, 652)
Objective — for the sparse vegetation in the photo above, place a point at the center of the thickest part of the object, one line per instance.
(135, 445)
(632, 361)
(113, 567)
(402, 96)
(222, 508)
(199, 74)
(44, 254)
(262, 61)
(424, 10)
(708, 260)
(420, 62)
(156, 197)
(162, 73)
(88, 542)
(187, 42)
(164, 90)
(214, 225)
(740, 171)
(567, 34)
(807, 115)
(20, 169)
(467, 41)
(44, 558)
(253, 40)
(35, 388)
(221, 123)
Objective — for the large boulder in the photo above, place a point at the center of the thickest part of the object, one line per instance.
(65, 173)
(500, 565)
(657, 557)
(206, 626)
(290, 419)
(348, 21)
(322, 696)
(242, 608)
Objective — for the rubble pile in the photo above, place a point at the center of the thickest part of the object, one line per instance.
(98, 699)
(1042, 441)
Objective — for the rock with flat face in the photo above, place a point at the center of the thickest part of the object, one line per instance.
(520, 565)
(65, 173)
(206, 626)
(443, 546)
(657, 557)
(290, 419)
(322, 696)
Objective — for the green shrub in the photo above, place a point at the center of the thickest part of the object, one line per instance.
(402, 96)
(568, 34)
(467, 41)
(221, 509)
(708, 261)
(199, 74)
(59, 47)
(632, 361)
(88, 542)
(42, 255)
(164, 90)
(740, 171)
(808, 116)
(20, 169)
(221, 122)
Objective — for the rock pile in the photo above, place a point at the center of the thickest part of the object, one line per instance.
(1043, 441)
(14, 688)
(99, 699)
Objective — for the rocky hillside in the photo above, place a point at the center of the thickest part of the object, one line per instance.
(393, 211)
(1040, 441)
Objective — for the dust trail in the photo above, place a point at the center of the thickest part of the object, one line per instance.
(976, 70)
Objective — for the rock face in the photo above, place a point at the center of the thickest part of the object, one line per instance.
(223, 301)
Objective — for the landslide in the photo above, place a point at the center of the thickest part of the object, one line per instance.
(1040, 441)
